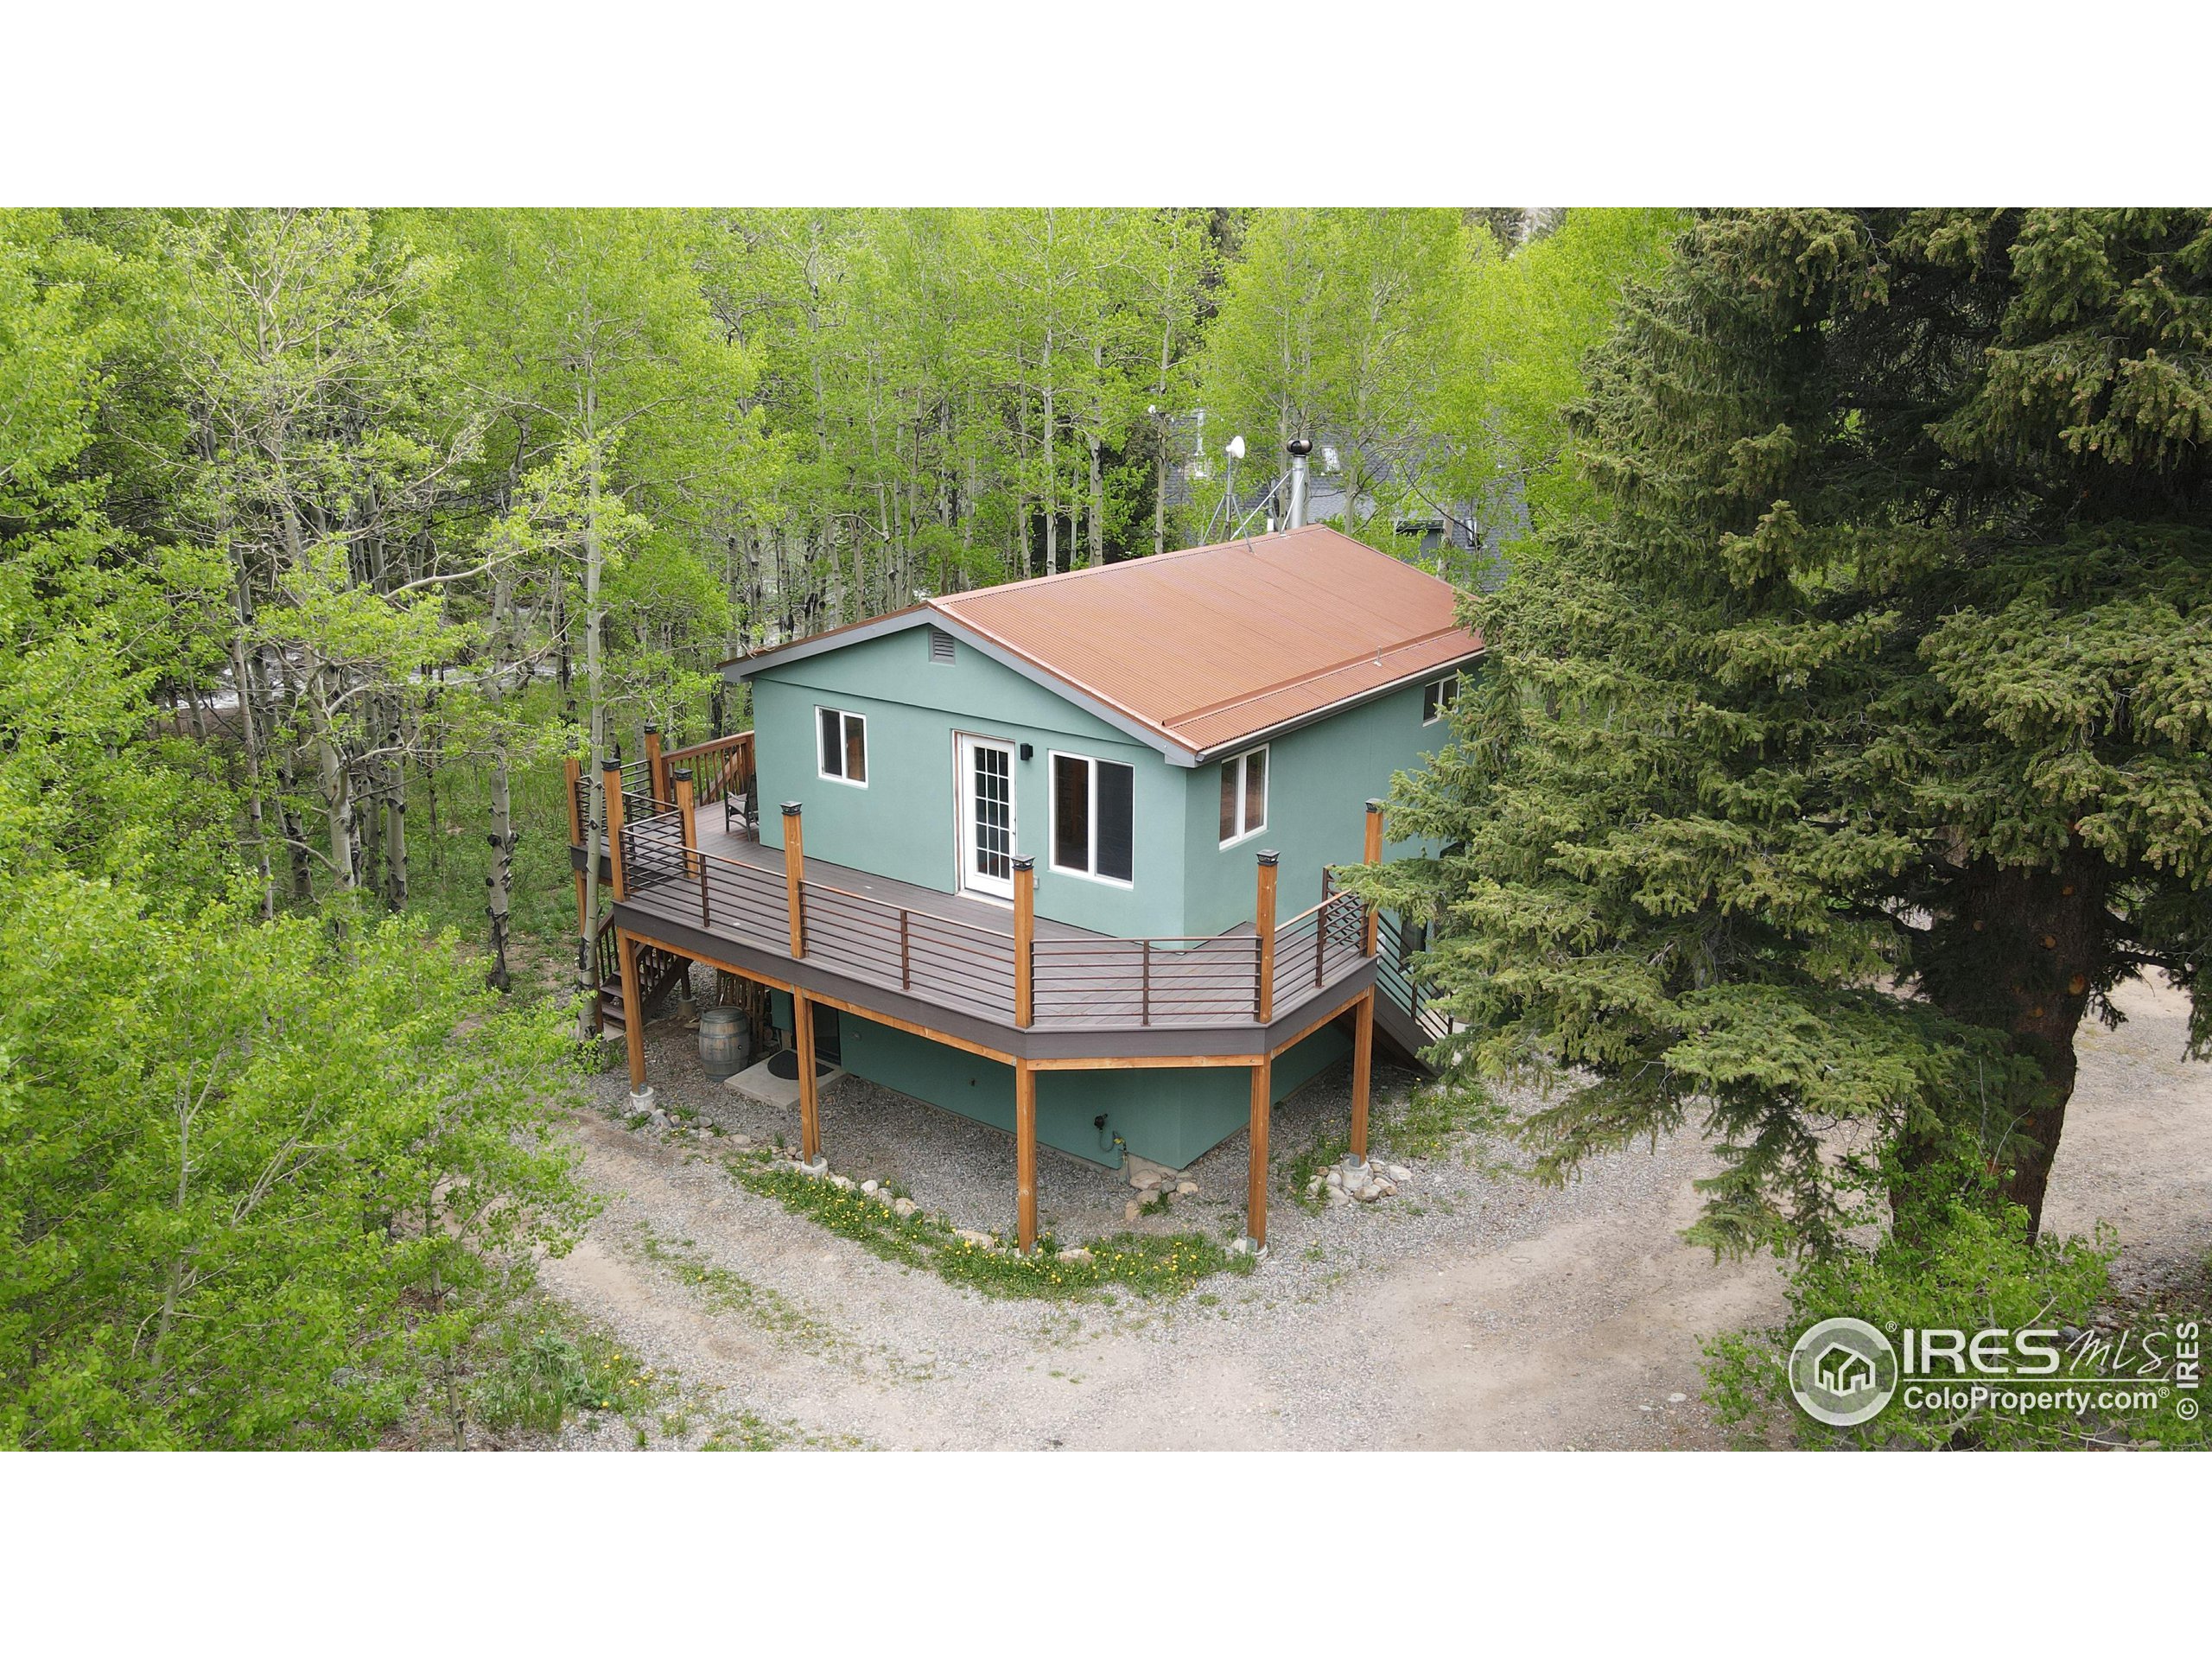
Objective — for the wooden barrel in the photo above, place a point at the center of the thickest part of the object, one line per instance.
(725, 1041)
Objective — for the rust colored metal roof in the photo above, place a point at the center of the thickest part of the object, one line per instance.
(1214, 644)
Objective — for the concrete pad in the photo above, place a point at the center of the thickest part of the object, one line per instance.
(758, 1082)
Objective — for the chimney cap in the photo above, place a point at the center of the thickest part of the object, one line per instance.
(1302, 446)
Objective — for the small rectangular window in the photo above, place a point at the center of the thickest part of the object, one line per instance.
(1071, 812)
(1437, 698)
(1094, 818)
(1243, 796)
(940, 646)
(843, 745)
(1116, 821)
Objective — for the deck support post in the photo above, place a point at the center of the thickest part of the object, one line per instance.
(810, 1108)
(1024, 1155)
(795, 877)
(1025, 936)
(1362, 1070)
(687, 814)
(1372, 854)
(655, 777)
(610, 773)
(634, 1022)
(1264, 923)
(1255, 1190)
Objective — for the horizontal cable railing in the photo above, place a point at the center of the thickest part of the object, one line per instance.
(930, 956)
(1397, 984)
(717, 894)
(1320, 945)
(1081, 981)
(1152, 982)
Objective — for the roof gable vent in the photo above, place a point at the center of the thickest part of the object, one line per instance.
(940, 646)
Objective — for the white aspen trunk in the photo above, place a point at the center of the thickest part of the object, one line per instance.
(595, 788)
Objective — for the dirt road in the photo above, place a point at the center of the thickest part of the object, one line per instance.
(1471, 1312)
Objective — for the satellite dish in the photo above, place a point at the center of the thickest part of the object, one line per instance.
(1236, 448)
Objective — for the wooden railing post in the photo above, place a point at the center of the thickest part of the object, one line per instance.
(1025, 935)
(657, 780)
(1263, 924)
(610, 778)
(795, 876)
(1372, 854)
(687, 816)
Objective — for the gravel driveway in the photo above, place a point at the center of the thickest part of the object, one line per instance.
(1474, 1310)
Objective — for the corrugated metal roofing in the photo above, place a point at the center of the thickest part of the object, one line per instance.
(1214, 644)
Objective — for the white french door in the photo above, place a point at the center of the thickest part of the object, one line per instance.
(987, 844)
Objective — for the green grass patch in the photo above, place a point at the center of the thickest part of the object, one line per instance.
(544, 1366)
(1153, 1266)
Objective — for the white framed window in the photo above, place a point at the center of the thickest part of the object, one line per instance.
(1245, 795)
(1437, 698)
(842, 745)
(1094, 818)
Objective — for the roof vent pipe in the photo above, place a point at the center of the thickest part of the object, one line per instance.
(1300, 448)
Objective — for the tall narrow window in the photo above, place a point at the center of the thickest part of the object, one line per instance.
(843, 746)
(1437, 698)
(1243, 796)
(1094, 818)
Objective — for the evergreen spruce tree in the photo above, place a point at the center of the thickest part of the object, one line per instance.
(1855, 748)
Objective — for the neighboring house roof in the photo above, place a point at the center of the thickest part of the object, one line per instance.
(1202, 651)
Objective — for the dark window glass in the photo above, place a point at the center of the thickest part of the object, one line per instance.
(855, 749)
(1255, 789)
(1229, 784)
(1071, 812)
(1428, 702)
(1116, 819)
(833, 761)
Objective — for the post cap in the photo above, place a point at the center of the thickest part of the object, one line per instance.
(790, 809)
(1270, 859)
(612, 762)
(679, 774)
(652, 728)
(1025, 863)
(1374, 806)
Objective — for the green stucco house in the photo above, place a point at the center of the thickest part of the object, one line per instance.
(1055, 856)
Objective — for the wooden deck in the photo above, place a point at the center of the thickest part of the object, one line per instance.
(957, 953)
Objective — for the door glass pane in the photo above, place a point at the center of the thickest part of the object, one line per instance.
(1229, 800)
(1071, 812)
(1116, 819)
(993, 786)
(1255, 789)
(832, 750)
(856, 749)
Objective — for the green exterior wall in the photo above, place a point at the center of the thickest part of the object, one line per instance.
(903, 823)
(1320, 779)
(1173, 1115)
(904, 826)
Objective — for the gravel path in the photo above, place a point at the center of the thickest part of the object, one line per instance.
(1475, 1310)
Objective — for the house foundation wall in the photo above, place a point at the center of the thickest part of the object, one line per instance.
(1170, 1115)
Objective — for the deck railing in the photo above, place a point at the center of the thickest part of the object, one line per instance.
(1081, 981)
